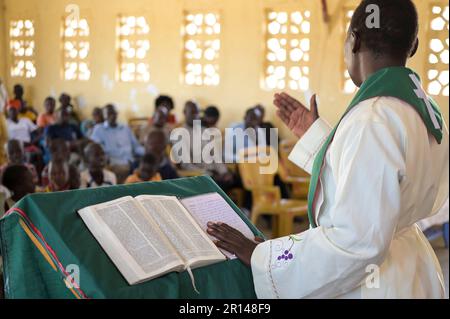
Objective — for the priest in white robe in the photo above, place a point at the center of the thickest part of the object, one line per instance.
(380, 171)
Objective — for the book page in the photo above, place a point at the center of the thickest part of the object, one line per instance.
(213, 208)
(181, 229)
(131, 239)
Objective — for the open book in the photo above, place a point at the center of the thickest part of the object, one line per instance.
(151, 235)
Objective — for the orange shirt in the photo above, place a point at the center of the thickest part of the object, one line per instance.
(15, 104)
(136, 179)
(45, 120)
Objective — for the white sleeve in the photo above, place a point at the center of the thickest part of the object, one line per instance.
(330, 261)
(31, 126)
(306, 149)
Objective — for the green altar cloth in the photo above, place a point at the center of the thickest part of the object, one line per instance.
(54, 225)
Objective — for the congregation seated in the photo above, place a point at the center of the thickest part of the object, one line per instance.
(217, 170)
(119, 143)
(96, 174)
(47, 118)
(146, 172)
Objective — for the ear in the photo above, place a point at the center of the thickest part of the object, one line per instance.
(355, 42)
(415, 48)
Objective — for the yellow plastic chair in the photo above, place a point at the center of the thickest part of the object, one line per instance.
(267, 197)
(193, 173)
(291, 173)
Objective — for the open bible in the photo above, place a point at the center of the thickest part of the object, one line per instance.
(150, 235)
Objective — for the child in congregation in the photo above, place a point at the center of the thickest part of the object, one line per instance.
(59, 177)
(59, 151)
(96, 175)
(156, 144)
(19, 182)
(15, 156)
(65, 101)
(146, 172)
(24, 111)
(48, 117)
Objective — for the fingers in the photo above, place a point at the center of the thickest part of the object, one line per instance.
(284, 115)
(313, 106)
(282, 101)
(226, 229)
(291, 102)
(294, 119)
(222, 233)
(227, 246)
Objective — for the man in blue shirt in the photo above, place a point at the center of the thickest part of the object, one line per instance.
(70, 133)
(119, 144)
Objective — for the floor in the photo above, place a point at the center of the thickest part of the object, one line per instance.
(438, 245)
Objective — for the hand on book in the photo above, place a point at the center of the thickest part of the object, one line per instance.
(233, 241)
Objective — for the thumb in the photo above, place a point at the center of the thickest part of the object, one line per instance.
(259, 239)
(313, 106)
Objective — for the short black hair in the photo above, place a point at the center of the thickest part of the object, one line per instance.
(398, 29)
(14, 175)
(164, 100)
(212, 111)
(49, 99)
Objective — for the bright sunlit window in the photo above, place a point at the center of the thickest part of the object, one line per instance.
(75, 37)
(134, 46)
(437, 58)
(22, 46)
(201, 33)
(287, 54)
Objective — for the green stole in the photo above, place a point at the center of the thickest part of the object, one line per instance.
(397, 82)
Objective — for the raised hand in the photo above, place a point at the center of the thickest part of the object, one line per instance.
(294, 114)
(233, 241)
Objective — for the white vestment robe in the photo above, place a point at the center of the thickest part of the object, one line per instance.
(382, 173)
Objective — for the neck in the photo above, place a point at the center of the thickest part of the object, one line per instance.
(371, 65)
